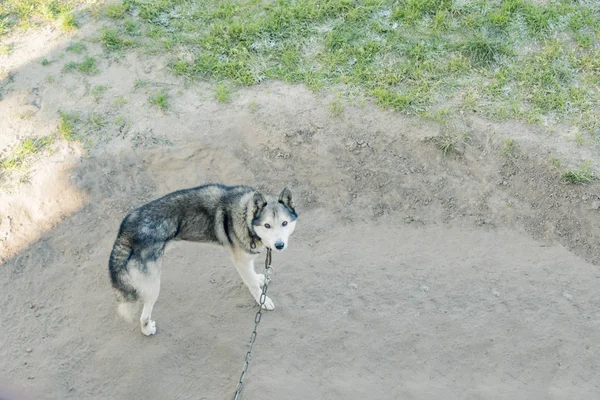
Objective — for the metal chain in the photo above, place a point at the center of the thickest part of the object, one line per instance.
(257, 318)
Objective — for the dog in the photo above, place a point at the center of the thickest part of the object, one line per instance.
(238, 218)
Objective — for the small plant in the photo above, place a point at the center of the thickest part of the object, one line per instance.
(88, 66)
(46, 62)
(140, 83)
(583, 174)
(223, 93)
(509, 146)
(66, 126)
(96, 120)
(76, 48)
(5, 50)
(336, 108)
(579, 139)
(115, 11)
(449, 143)
(556, 162)
(68, 21)
(97, 92)
(120, 102)
(253, 106)
(160, 99)
(112, 41)
(26, 148)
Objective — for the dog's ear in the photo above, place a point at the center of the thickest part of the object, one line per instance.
(259, 202)
(286, 199)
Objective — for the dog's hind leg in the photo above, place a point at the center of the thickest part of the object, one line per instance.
(148, 284)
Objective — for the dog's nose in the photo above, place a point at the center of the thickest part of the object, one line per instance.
(279, 245)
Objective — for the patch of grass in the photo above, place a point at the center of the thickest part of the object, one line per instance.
(583, 174)
(19, 155)
(5, 50)
(450, 142)
(115, 11)
(96, 121)
(140, 83)
(556, 162)
(160, 99)
(66, 126)
(97, 92)
(111, 40)
(68, 22)
(87, 66)
(46, 62)
(336, 108)
(515, 58)
(223, 93)
(253, 106)
(509, 147)
(120, 102)
(76, 48)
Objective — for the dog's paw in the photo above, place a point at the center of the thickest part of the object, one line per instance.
(149, 328)
(261, 279)
(269, 305)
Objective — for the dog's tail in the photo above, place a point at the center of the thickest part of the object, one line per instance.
(119, 276)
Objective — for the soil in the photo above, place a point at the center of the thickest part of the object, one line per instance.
(412, 274)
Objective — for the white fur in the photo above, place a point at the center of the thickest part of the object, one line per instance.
(244, 263)
(276, 233)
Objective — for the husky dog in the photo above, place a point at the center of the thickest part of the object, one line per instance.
(238, 218)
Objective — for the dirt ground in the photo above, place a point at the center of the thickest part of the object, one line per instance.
(411, 275)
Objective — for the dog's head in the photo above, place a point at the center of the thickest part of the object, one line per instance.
(274, 220)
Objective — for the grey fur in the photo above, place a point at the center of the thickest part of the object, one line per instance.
(213, 213)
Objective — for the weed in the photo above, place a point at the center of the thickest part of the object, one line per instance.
(223, 93)
(87, 66)
(96, 121)
(556, 161)
(68, 21)
(583, 174)
(253, 106)
(46, 62)
(5, 50)
(336, 108)
(112, 41)
(18, 157)
(450, 142)
(97, 92)
(66, 126)
(140, 83)
(579, 139)
(120, 102)
(76, 48)
(509, 147)
(160, 99)
(115, 11)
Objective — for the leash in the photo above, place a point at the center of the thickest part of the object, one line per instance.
(257, 318)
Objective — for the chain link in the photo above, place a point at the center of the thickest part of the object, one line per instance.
(257, 318)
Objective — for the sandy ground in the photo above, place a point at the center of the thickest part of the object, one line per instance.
(411, 275)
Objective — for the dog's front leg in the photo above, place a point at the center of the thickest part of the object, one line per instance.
(245, 265)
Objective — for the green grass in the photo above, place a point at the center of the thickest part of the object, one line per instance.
(583, 174)
(509, 147)
(66, 126)
(87, 66)
(21, 153)
(537, 62)
(76, 48)
(45, 62)
(160, 99)
(120, 102)
(223, 93)
(112, 40)
(336, 108)
(33, 13)
(97, 92)
(115, 11)
(5, 50)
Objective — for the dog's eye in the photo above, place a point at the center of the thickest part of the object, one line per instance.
(284, 223)
(268, 226)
